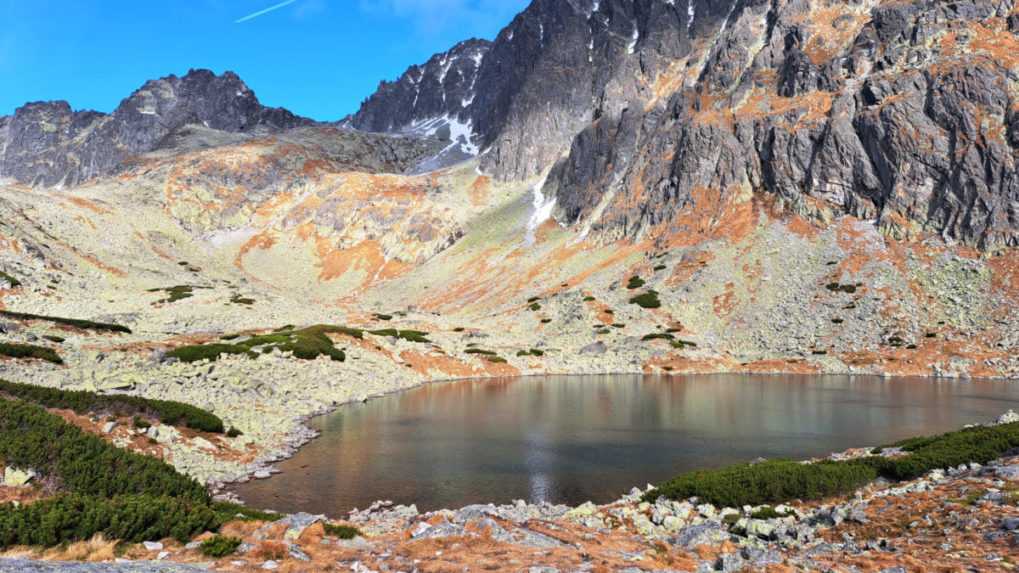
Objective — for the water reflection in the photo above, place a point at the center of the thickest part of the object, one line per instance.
(570, 439)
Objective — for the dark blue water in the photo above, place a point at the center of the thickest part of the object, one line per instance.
(573, 439)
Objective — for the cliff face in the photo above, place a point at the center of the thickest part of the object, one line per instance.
(47, 143)
(903, 111)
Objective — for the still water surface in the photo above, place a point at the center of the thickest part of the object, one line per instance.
(572, 439)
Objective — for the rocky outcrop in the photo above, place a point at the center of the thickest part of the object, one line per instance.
(897, 111)
(903, 112)
(47, 143)
(444, 86)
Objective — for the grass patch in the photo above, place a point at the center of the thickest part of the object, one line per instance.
(341, 531)
(534, 306)
(660, 268)
(647, 300)
(29, 352)
(82, 402)
(589, 299)
(72, 322)
(683, 344)
(531, 352)
(635, 283)
(658, 336)
(479, 351)
(533, 299)
(783, 481)
(54, 339)
(219, 546)
(15, 283)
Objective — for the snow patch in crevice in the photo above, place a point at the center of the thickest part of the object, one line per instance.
(542, 207)
(633, 40)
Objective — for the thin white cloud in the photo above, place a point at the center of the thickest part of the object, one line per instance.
(265, 11)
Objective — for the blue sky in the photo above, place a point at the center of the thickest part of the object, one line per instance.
(318, 58)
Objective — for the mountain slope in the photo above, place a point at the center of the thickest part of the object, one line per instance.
(900, 111)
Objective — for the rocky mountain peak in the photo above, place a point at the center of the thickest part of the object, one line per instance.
(835, 107)
(48, 143)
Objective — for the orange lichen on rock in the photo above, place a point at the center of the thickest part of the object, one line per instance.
(262, 241)
(432, 363)
(479, 190)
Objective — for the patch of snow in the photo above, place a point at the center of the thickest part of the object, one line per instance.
(461, 133)
(228, 237)
(691, 11)
(542, 212)
(633, 40)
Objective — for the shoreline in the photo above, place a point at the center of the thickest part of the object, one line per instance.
(303, 434)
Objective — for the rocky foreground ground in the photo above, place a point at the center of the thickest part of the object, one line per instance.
(958, 519)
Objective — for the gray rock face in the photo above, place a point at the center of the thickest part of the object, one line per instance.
(442, 86)
(892, 127)
(47, 143)
(903, 112)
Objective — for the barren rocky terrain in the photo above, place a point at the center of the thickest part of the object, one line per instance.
(783, 186)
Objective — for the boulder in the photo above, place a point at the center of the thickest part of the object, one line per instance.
(14, 477)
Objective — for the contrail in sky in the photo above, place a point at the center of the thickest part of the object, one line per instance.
(265, 11)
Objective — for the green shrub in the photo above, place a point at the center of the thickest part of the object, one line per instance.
(83, 402)
(305, 344)
(979, 444)
(531, 352)
(238, 299)
(228, 511)
(29, 351)
(132, 518)
(535, 307)
(72, 322)
(408, 335)
(220, 546)
(342, 531)
(141, 423)
(635, 283)
(589, 299)
(836, 287)
(782, 481)
(54, 339)
(479, 351)
(384, 317)
(660, 268)
(681, 344)
(533, 299)
(766, 512)
(647, 300)
(767, 482)
(83, 463)
(658, 336)
(233, 433)
(176, 293)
